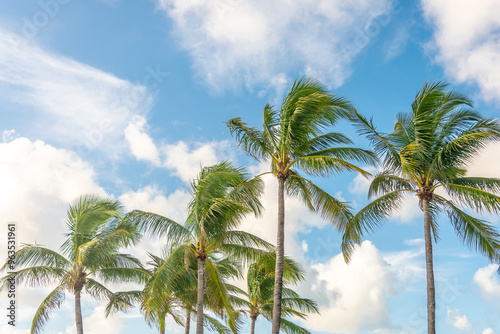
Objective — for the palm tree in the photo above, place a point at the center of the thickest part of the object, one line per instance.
(293, 139)
(260, 293)
(90, 252)
(221, 196)
(430, 149)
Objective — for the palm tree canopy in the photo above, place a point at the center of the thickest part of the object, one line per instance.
(221, 196)
(260, 292)
(430, 148)
(295, 138)
(90, 254)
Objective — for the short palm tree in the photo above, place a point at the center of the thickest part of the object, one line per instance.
(293, 140)
(430, 149)
(174, 296)
(221, 196)
(260, 293)
(89, 254)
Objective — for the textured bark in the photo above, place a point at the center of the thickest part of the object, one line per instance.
(252, 326)
(278, 280)
(431, 293)
(78, 312)
(188, 322)
(199, 307)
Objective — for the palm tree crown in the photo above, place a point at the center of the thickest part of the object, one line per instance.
(90, 252)
(293, 139)
(429, 150)
(258, 299)
(221, 196)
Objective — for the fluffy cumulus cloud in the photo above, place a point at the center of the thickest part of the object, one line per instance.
(487, 161)
(186, 160)
(38, 181)
(140, 143)
(458, 320)
(467, 41)
(152, 199)
(235, 42)
(353, 297)
(487, 281)
(67, 102)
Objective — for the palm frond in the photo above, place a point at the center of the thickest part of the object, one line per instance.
(475, 233)
(51, 303)
(369, 218)
(36, 255)
(316, 199)
(251, 140)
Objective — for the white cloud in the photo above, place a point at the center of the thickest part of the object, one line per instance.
(140, 143)
(152, 199)
(353, 297)
(488, 331)
(38, 181)
(237, 42)
(304, 246)
(186, 160)
(488, 282)
(458, 320)
(67, 102)
(466, 41)
(486, 163)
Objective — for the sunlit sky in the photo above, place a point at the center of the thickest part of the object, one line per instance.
(130, 99)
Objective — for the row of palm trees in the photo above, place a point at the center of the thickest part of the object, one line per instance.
(192, 275)
(427, 154)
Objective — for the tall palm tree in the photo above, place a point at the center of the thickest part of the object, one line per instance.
(221, 196)
(260, 293)
(89, 253)
(293, 140)
(430, 149)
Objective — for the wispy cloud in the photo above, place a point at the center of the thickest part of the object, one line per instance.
(235, 43)
(68, 103)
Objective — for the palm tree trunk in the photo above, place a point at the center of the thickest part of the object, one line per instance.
(199, 307)
(252, 326)
(431, 293)
(188, 321)
(278, 280)
(78, 312)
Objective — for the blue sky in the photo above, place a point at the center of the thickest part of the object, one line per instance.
(130, 98)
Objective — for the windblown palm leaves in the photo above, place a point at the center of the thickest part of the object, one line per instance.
(258, 299)
(90, 254)
(221, 196)
(293, 139)
(429, 150)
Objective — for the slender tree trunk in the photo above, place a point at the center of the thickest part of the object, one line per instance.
(431, 293)
(199, 307)
(78, 312)
(252, 326)
(162, 330)
(278, 280)
(188, 321)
